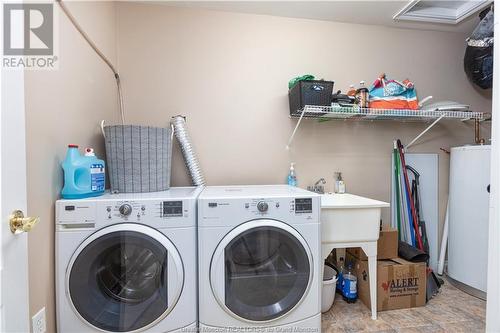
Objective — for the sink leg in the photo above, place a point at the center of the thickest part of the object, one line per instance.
(372, 272)
(370, 249)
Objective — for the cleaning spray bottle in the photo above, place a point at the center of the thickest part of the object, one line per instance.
(292, 177)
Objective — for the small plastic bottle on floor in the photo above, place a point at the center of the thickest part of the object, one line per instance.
(340, 277)
(350, 286)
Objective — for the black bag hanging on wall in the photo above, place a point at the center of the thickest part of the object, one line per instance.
(478, 59)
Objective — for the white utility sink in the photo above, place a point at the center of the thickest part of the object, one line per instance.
(350, 218)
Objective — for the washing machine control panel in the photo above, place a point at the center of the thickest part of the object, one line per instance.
(172, 208)
(303, 206)
(130, 211)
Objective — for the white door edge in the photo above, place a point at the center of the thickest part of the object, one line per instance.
(14, 299)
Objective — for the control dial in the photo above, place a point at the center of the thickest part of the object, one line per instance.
(125, 209)
(262, 206)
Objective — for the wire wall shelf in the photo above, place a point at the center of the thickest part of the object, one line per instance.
(356, 113)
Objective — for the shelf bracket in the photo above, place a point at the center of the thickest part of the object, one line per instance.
(477, 133)
(295, 129)
(423, 132)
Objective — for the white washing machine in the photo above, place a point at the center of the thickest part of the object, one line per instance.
(259, 259)
(127, 262)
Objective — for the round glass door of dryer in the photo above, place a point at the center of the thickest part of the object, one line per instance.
(125, 278)
(266, 271)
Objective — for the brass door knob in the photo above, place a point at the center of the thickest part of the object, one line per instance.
(19, 224)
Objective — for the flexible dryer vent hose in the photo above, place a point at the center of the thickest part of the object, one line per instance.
(180, 131)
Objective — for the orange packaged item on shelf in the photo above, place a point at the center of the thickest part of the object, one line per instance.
(393, 94)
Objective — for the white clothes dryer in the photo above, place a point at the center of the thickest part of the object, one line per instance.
(259, 259)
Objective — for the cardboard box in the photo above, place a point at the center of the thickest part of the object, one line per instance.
(400, 284)
(387, 245)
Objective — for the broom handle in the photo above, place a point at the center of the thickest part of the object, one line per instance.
(407, 182)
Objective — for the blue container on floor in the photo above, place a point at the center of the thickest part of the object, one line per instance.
(349, 286)
(84, 176)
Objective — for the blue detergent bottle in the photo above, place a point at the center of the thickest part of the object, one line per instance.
(84, 176)
(349, 287)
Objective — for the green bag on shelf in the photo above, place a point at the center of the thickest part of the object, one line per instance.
(294, 81)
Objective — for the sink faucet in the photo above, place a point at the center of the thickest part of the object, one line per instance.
(320, 181)
(318, 187)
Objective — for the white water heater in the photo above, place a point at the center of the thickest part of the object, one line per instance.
(468, 218)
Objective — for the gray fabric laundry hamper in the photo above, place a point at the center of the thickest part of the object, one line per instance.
(139, 158)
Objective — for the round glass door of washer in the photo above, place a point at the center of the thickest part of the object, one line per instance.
(261, 270)
(124, 278)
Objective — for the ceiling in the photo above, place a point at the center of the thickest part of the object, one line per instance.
(372, 12)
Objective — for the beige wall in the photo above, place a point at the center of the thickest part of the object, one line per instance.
(64, 106)
(228, 74)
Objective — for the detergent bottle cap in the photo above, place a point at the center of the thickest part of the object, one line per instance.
(89, 152)
(72, 146)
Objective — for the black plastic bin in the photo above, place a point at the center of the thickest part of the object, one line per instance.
(311, 92)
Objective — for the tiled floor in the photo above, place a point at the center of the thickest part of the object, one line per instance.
(450, 311)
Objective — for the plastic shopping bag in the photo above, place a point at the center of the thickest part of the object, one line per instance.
(393, 94)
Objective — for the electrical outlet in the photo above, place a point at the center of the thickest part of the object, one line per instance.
(38, 322)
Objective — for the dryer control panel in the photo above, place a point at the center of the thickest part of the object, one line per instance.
(292, 210)
(264, 206)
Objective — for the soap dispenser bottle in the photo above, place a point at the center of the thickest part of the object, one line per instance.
(339, 183)
(292, 177)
